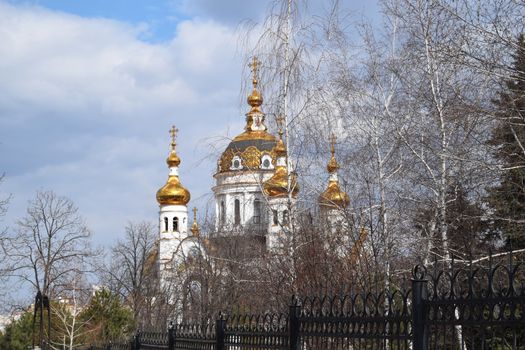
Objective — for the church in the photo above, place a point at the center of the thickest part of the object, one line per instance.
(255, 191)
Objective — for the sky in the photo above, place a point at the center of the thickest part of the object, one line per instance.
(89, 90)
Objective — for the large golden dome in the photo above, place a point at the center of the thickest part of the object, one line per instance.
(173, 193)
(255, 142)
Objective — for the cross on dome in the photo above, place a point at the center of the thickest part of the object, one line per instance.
(254, 67)
(173, 133)
(333, 139)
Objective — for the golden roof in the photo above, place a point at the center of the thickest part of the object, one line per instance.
(254, 141)
(173, 193)
(277, 185)
(333, 195)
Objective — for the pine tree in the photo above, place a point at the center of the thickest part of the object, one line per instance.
(507, 199)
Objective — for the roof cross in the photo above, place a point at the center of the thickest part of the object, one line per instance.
(332, 143)
(173, 133)
(254, 67)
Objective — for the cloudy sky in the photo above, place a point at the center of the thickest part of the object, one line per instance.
(89, 89)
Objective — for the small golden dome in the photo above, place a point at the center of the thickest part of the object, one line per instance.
(334, 196)
(280, 148)
(173, 159)
(173, 193)
(277, 185)
(332, 165)
(255, 99)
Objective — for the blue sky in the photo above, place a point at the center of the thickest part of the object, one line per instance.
(89, 89)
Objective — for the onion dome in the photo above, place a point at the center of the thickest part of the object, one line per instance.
(173, 193)
(250, 146)
(333, 195)
(277, 185)
(195, 227)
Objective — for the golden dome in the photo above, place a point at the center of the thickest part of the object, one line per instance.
(334, 196)
(173, 193)
(255, 142)
(173, 159)
(255, 99)
(332, 165)
(277, 185)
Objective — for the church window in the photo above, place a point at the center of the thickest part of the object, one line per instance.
(285, 217)
(256, 211)
(236, 163)
(165, 224)
(175, 224)
(237, 211)
(275, 217)
(266, 162)
(222, 213)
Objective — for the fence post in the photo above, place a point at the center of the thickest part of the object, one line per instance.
(294, 325)
(172, 335)
(220, 326)
(136, 341)
(108, 347)
(419, 309)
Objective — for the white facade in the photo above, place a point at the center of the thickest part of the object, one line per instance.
(239, 201)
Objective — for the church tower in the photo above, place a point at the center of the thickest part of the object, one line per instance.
(281, 191)
(248, 161)
(333, 200)
(173, 215)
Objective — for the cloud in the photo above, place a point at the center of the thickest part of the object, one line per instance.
(85, 107)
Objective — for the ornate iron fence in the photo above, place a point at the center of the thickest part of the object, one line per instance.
(467, 308)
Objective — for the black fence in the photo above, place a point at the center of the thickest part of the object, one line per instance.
(470, 307)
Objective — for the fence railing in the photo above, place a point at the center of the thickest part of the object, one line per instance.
(446, 308)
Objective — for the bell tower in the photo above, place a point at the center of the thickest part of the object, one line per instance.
(173, 214)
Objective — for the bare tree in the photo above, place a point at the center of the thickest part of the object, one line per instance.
(50, 247)
(131, 271)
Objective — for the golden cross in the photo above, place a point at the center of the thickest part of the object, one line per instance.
(254, 66)
(194, 213)
(332, 143)
(173, 133)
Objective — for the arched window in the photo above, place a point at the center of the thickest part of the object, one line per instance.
(275, 217)
(237, 211)
(175, 224)
(222, 213)
(285, 217)
(256, 211)
(165, 224)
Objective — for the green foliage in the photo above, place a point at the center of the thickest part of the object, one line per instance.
(107, 317)
(508, 198)
(17, 335)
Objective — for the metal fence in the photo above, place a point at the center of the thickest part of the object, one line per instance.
(444, 308)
